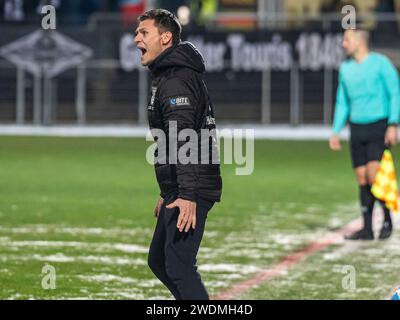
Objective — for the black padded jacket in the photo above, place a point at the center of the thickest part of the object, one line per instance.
(179, 100)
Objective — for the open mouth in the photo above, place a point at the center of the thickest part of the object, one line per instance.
(143, 50)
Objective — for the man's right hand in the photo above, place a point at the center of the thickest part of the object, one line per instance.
(334, 143)
(158, 207)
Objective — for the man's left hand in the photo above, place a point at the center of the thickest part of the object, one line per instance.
(391, 136)
(187, 213)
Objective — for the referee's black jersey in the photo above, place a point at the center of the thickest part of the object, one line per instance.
(179, 98)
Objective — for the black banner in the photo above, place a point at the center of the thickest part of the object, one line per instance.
(256, 51)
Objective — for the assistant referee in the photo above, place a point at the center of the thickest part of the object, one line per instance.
(368, 96)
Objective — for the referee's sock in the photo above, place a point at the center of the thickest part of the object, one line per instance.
(367, 204)
(386, 211)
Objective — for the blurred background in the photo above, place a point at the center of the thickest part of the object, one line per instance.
(269, 62)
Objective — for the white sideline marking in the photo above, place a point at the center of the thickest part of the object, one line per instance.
(278, 132)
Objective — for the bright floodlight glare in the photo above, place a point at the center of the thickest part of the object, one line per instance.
(183, 15)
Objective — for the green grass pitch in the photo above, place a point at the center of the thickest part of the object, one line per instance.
(84, 206)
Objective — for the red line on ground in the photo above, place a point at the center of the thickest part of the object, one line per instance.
(287, 262)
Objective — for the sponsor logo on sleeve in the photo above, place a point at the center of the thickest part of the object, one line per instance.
(179, 101)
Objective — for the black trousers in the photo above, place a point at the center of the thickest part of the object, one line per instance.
(172, 254)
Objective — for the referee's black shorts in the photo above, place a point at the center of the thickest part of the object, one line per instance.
(367, 142)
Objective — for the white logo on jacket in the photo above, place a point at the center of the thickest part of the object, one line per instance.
(179, 101)
(152, 99)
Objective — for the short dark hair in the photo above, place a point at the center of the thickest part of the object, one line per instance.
(164, 21)
(363, 34)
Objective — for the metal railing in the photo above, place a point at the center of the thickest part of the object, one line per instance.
(44, 93)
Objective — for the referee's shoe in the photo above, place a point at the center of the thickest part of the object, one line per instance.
(363, 234)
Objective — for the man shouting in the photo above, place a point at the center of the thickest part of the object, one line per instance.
(179, 100)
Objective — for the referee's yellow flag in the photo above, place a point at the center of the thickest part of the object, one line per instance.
(385, 187)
